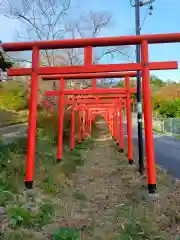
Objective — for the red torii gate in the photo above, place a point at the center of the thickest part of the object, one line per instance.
(62, 92)
(94, 76)
(119, 139)
(144, 66)
(94, 90)
(78, 97)
(96, 107)
(90, 103)
(114, 131)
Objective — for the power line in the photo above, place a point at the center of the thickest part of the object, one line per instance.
(145, 17)
(132, 3)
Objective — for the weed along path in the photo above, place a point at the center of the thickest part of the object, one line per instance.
(93, 194)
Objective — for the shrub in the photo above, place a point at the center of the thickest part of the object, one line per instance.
(19, 216)
(14, 97)
(170, 109)
(178, 108)
(48, 120)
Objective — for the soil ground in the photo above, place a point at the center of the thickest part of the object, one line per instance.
(108, 199)
(91, 204)
(104, 198)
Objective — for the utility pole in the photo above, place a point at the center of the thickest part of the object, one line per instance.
(137, 6)
(139, 95)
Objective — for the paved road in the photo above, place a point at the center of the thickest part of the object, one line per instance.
(8, 134)
(167, 151)
(18, 128)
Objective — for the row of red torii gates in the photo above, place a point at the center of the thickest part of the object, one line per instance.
(110, 107)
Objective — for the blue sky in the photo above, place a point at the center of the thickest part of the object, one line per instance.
(165, 19)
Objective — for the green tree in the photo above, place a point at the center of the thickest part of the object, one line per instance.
(177, 114)
(156, 83)
(5, 63)
(154, 80)
(167, 109)
(170, 109)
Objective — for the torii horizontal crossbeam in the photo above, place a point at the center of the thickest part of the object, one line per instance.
(94, 42)
(94, 101)
(90, 91)
(92, 69)
(97, 96)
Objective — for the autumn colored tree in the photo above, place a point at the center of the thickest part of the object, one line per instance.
(165, 100)
(165, 96)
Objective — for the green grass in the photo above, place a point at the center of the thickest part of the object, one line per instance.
(91, 179)
(35, 214)
(20, 217)
(166, 133)
(46, 213)
(66, 234)
(136, 221)
(12, 159)
(138, 215)
(157, 130)
(28, 212)
(80, 196)
(21, 234)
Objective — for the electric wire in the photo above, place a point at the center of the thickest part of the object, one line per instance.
(145, 17)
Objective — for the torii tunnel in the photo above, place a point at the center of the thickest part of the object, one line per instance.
(144, 66)
(98, 103)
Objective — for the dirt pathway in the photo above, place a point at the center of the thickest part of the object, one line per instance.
(91, 204)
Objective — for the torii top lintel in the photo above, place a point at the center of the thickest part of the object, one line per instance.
(94, 42)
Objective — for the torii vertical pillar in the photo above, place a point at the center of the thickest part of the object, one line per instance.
(60, 122)
(32, 120)
(83, 125)
(129, 121)
(79, 126)
(150, 158)
(121, 129)
(116, 125)
(72, 144)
